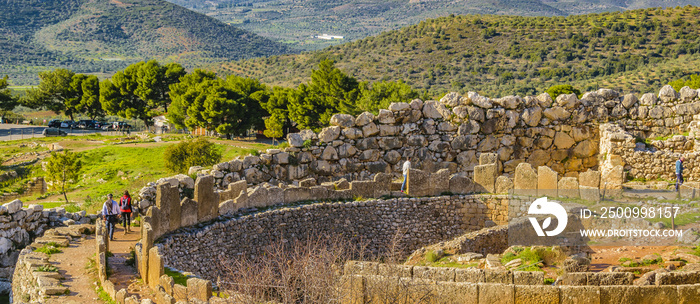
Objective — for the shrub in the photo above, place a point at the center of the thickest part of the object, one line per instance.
(200, 152)
(431, 256)
(560, 89)
(46, 268)
(308, 143)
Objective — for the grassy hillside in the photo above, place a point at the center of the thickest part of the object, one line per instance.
(501, 55)
(93, 36)
(297, 21)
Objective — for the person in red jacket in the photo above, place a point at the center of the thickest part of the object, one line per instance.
(125, 206)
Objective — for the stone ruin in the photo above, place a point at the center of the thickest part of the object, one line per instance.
(461, 145)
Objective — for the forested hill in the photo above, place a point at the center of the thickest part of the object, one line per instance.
(634, 50)
(298, 20)
(107, 35)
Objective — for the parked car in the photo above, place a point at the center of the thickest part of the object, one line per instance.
(54, 132)
(86, 124)
(120, 125)
(69, 124)
(54, 123)
(99, 124)
(107, 127)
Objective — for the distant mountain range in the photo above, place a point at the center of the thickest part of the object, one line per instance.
(298, 21)
(102, 36)
(637, 50)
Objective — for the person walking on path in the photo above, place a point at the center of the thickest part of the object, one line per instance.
(406, 166)
(110, 213)
(679, 172)
(125, 208)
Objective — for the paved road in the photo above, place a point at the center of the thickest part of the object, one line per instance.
(15, 132)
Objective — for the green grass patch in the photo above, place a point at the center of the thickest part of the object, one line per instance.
(48, 249)
(178, 277)
(46, 268)
(431, 256)
(532, 258)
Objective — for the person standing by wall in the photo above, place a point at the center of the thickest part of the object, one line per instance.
(406, 166)
(110, 213)
(679, 172)
(125, 208)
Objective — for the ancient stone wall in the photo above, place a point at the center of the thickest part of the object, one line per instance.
(33, 280)
(19, 226)
(639, 161)
(452, 133)
(367, 281)
(420, 221)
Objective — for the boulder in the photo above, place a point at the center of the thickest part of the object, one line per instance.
(532, 116)
(667, 94)
(451, 99)
(567, 101)
(544, 100)
(479, 101)
(364, 118)
(307, 134)
(392, 157)
(629, 100)
(557, 113)
(586, 148)
(329, 153)
(294, 140)
(688, 94)
(13, 206)
(329, 134)
(648, 99)
(563, 140)
(433, 109)
(370, 129)
(386, 117)
(343, 120)
(399, 106)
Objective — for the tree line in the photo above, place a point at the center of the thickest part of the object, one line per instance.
(229, 106)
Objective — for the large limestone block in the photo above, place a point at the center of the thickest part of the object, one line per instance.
(198, 289)
(496, 293)
(418, 183)
(536, 294)
(612, 178)
(207, 199)
(228, 207)
(294, 140)
(297, 194)
(189, 212)
(667, 94)
(639, 294)
(233, 191)
(168, 201)
(370, 129)
(155, 267)
(504, 184)
(485, 178)
(563, 140)
(440, 181)
(586, 148)
(382, 184)
(386, 117)
(433, 109)
(546, 181)
(590, 178)
(343, 120)
(591, 194)
(579, 294)
(460, 184)
(364, 118)
(532, 116)
(568, 187)
(525, 180)
(329, 134)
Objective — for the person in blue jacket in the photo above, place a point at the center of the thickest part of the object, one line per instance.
(679, 172)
